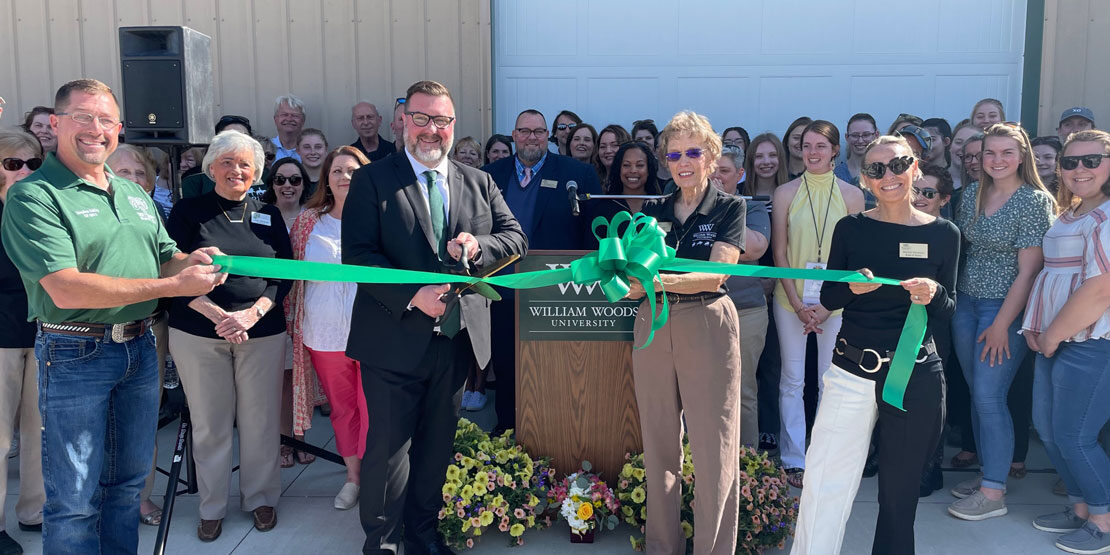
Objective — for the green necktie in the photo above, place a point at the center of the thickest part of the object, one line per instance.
(435, 207)
(450, 323)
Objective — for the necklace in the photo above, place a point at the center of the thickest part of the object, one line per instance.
(819, 233)
(241, 218)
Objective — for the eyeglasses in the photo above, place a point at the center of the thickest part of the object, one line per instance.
(563, 126)
(898, 166)
(402, 100)
(691, 153)
(85, 118)
(539, 131)
(420, 119)
(927, 192)
(1090, 161)
(15, 164)
(857, 137)
(638, 122)
(293, 180)
(971, 157)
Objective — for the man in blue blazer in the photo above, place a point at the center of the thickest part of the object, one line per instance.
(534, 183)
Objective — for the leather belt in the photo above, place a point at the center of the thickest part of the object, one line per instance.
(118, 333)
(858, 356)
(675, 298)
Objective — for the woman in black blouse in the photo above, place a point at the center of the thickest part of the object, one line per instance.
(893, 240)
(692, 367)
(229, 345)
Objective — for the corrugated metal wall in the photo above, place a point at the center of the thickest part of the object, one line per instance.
(1075, 68)
(331, 53)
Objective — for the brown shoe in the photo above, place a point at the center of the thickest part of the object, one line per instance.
(265, 518)
(209, 530)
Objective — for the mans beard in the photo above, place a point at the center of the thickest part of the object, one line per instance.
(530, 154)
(426, 154)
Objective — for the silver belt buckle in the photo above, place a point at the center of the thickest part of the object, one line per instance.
(878, 361)
(117, 332)
(923, 355)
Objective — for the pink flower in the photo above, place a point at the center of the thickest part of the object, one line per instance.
(746, 492)
(470, 543)
(519, 513)
(458, 456)
(490, 486)
(500, 511)
(504, 526)
(520, 540)
(461, 513)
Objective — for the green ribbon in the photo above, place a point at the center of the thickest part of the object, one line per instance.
(638, 251)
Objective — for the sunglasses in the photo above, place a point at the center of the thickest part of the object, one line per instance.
(691, 153)
(1090, 161)
(293, 180)
(562, 126)
(898, 166)
(928, 192)
(15, 164)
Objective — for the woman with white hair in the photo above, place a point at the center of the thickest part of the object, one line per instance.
(229, 345)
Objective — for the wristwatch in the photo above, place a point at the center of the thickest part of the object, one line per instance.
(259, 311)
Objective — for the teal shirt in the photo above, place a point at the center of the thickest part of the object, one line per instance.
(54, 220)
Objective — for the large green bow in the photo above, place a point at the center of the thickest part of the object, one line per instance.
(638, 250)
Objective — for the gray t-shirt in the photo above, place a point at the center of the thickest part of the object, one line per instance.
(747, 292)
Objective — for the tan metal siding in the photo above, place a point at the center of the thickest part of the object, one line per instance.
(331, 53)
(1074, 66)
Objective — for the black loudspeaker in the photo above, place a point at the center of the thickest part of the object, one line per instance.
(168, 95)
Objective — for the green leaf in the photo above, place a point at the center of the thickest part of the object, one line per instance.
(587, 466)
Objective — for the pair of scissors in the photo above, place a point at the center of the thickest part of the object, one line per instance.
(480, 287)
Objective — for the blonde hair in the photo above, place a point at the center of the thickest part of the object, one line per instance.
(1027, 169)
(12, 140)
(467, 141)
(1064, 197)
(996, 102)
(696, 126)
(141, 156)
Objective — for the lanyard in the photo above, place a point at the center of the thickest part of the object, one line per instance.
(820, 234)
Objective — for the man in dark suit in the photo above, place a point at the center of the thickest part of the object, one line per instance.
(534, 183)
(400, 213)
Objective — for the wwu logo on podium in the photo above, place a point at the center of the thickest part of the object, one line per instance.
(564, 287)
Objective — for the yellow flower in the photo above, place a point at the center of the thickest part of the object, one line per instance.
(531, 521)
(638, 494)
(638, 473)
(533, 500)
(452, 472)
(467, 492)
(481, 478)
(626, 471)
(626, 510)
(485, 518)
(466, 525)
(687, 529)
(516, 530)
(450, 489)
(585, 511)
(643, 513)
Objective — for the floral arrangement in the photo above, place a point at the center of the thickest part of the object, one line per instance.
(767, 512)
(585, 501)
(492, 482)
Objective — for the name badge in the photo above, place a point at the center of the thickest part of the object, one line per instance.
(811, 288)
(549, 184)
(913, 250)
(665, 226)
(260, 218)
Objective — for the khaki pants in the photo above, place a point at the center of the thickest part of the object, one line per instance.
(19, 397)
(753, 335)
(691, 368)
(227, 384)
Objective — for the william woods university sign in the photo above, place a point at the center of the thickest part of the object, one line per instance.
(567, 311)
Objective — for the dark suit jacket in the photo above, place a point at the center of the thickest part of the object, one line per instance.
(553, 225)
(386, 224)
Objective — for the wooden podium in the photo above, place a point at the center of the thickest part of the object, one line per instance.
(575, 399)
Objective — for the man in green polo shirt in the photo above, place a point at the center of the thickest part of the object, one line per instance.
(94, 258)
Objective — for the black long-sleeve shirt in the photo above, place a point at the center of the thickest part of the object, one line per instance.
(874, 320)
(246, 228)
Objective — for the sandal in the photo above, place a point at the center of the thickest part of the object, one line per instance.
(286, 456)
(964, 459)
(153, 518)
(1018, 472)
(794, 477)
(305, 458)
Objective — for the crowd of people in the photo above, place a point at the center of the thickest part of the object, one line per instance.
(996, 234)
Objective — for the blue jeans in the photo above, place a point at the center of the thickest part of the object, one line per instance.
(990, 416)
(1069, 409)
(99, 404)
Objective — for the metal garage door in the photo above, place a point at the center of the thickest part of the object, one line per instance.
(756, 63)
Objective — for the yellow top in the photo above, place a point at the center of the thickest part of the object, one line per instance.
(813, 214)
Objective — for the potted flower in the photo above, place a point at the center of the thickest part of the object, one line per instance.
(585, 502)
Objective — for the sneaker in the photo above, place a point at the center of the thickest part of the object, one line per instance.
(768, 442)
(1061, 523)
(1088, 539)
(348, 497)
(966, 487)
(978, 507)
(467, 400)
(477, 400)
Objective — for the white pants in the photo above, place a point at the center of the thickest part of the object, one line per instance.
(841, 437)
(792, 348)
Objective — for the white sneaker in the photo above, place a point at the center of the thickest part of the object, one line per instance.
(348, 496)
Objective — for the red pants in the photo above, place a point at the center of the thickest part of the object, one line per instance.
(342, 383)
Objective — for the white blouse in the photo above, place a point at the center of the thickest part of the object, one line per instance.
(327, 304)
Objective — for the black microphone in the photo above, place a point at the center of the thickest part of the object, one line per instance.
(572, 192)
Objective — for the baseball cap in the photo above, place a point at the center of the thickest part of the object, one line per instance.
(1080, 111)
(920, 135)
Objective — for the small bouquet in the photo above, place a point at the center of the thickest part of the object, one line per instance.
(585, 501)
(492, 482)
